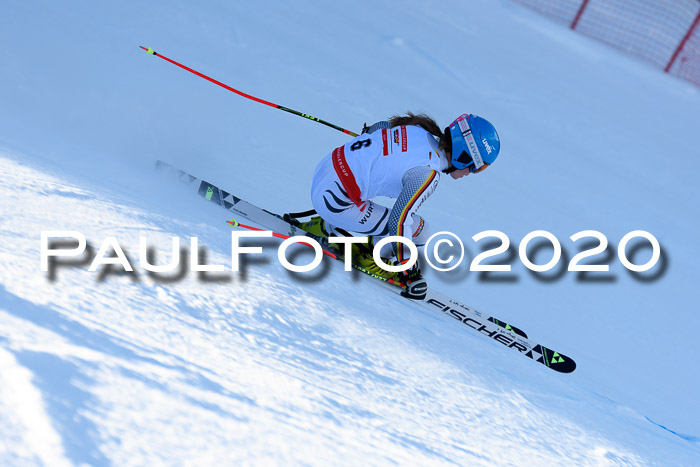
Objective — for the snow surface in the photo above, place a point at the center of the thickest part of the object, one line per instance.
(268, 367)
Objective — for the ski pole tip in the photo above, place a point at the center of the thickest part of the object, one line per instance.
(148, 50)
(233, 223)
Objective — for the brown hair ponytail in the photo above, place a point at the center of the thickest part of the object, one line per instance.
(428, 124)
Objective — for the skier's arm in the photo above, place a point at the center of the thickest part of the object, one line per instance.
(418, 184)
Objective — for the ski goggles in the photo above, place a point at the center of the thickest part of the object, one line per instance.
(465, 152)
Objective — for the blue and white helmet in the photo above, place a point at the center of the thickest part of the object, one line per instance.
(475, 143)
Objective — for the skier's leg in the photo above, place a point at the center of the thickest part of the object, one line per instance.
(331, 202)
(370, 219)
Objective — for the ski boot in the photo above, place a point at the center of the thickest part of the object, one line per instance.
(315, 226)
(362, 258)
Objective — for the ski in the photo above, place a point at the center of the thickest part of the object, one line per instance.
(497, 330)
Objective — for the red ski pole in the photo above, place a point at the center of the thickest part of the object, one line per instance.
(248, 96)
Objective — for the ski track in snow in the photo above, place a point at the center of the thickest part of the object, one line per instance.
(26, 429)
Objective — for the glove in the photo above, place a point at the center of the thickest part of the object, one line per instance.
(416, 286)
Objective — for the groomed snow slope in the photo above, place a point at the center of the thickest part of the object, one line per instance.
(272, 367)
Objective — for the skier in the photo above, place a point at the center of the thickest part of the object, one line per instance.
(401, 158)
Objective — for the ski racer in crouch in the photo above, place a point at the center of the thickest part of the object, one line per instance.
(401, 158)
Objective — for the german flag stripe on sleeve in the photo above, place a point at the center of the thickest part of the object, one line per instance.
(409, 208)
